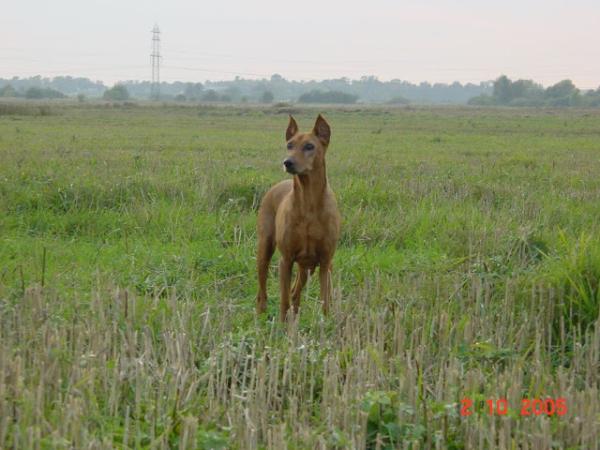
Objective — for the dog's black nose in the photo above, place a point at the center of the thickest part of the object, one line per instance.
(288, 164)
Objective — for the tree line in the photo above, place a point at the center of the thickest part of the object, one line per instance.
(502, 91)
(529, 93)
(367, 89)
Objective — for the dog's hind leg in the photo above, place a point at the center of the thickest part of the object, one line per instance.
(266, 248)
(301, 277)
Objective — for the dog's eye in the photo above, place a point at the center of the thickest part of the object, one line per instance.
(290, 146)
(309, 147)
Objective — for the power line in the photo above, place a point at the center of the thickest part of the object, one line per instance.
(196, 69)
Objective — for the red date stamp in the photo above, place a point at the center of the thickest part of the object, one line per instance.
(529, 407)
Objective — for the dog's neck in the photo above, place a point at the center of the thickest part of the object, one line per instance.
(310, 188)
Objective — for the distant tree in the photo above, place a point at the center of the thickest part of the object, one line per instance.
(8, 91)
(210, 96)
(193, 91)
(233, 92)
(34, 93)
(38, 93)
(180, 98)
(563, 93)
(116, 93)
(592, 98)
(267, 97)
(561, 89)
(482, 100)
(80, 98)
(502, 90)
(398, 100)
(317, 96)
(526, 89)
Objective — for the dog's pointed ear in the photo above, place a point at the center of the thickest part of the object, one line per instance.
(322, 130)
(292, 129)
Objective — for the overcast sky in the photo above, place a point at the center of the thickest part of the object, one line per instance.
(426, 40)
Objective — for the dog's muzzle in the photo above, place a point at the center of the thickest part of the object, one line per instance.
(288, 166)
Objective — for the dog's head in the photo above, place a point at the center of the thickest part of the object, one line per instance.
(306, 151)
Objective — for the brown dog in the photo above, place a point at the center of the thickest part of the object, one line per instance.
(300, 217)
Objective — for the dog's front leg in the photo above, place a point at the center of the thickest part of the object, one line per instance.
(285, 277)
(325, 284)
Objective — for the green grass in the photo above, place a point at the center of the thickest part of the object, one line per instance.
(469, 266)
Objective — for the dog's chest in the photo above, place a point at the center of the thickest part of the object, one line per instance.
(305, 237)
(310, 237)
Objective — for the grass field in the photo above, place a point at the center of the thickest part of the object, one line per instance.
(469, 267)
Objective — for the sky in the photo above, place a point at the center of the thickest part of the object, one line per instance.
(427, 40)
